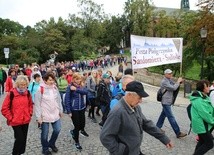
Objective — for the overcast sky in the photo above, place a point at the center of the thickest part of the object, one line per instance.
(29, 12)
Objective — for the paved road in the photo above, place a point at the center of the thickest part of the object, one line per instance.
(92, 146)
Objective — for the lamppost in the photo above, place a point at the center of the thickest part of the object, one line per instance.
(203, 33)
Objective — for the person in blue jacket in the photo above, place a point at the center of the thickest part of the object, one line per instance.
(125, 80)
(75, 101)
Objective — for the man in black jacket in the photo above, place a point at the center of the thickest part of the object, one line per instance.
(104, 96)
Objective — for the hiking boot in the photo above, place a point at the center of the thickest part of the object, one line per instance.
(47, 152)
(83, 133)
(181, 135)
(78, 146)
(54, 148)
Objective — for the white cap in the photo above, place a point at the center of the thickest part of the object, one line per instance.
(168, 71)
(73, 68)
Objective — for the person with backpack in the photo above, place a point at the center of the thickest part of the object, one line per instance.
(168, 99)
(18, 104)
(34, 85)
(75, 102)
(92, 83)
(116, 86)
(104, 96)
(124, 81)
(48, 109)
(202, 117)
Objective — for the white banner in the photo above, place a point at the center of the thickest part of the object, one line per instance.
(150, 51)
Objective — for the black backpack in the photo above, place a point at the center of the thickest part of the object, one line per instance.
(160, 94)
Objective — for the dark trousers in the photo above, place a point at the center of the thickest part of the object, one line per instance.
(20, 135)
(78, 118)
(91, 110)
(204, 144)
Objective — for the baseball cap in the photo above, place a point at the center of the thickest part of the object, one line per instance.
(136, 87)
(168, 71)
(106, 76)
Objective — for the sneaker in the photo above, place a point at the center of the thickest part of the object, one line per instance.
(101, 123)
(83, 133)
(94, 120)
(54, 148)
(78, 146)
(72, 133)
(181, 135)
(47, 152)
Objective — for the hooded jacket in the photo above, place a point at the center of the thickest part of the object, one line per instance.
(48, 105)
(202, 112)
(20, 110)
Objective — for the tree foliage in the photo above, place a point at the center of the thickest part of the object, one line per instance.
(82, 34)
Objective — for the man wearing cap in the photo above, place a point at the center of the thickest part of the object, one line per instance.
(169, 87)
(104, 96)
(122, 132)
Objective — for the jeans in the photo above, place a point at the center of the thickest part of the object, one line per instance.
(167, 112)
(20, 135)
(44, 134)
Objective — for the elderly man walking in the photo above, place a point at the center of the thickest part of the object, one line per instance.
(169, 87)
(122, 132)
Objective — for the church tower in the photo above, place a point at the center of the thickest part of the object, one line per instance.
(185, 4)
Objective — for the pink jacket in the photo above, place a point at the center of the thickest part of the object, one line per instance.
(47, 102)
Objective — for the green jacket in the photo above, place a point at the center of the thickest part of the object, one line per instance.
(201, 111)
(62, 84)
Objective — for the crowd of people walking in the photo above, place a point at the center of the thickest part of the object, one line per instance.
(53, 89)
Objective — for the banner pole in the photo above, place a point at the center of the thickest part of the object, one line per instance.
(180, 70)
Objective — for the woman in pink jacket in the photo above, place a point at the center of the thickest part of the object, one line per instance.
(17, 108)
(48, 109)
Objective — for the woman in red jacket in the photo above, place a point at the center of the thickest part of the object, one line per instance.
(17, 108)
(10, 81)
